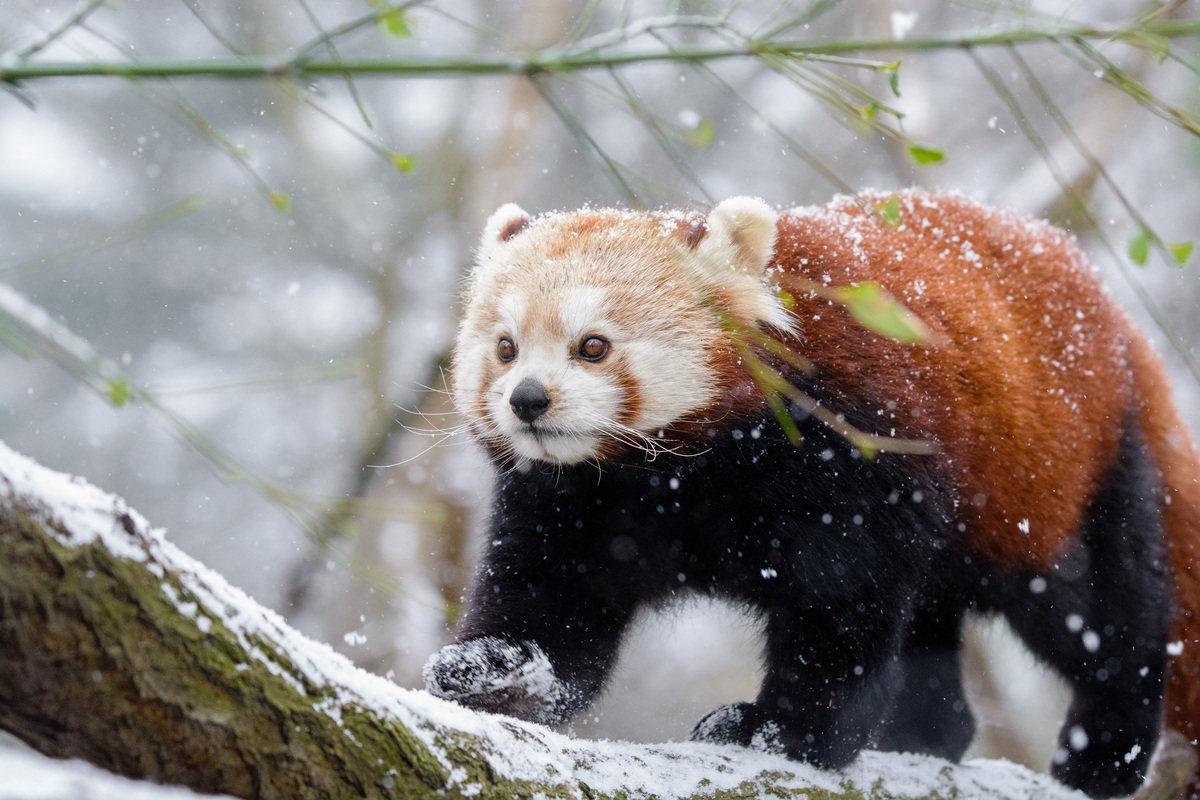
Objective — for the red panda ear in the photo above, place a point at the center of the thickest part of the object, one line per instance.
(504, 223)
(741, 235)
(732, 258)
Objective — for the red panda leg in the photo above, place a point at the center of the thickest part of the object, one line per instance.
(1101, 617)
(930, 714)
(829, 675)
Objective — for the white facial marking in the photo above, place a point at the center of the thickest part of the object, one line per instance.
(581, 310)
(510, 314)
(546, 330)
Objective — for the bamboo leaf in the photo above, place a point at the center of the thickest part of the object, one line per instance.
(878, 311)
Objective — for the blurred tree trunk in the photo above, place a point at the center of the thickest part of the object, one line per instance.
(118, 649)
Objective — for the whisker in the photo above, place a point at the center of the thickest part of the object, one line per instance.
(652, 446)
(416, 412)
(445, 390)
(447, 432)
(412, 458)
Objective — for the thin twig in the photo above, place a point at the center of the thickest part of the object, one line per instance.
(124, 232)
(579, 132)
(1035, 139)
(214, 31)
(819, 165)
(80, 13)
(334, 55)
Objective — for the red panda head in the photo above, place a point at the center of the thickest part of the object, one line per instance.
(590, 333)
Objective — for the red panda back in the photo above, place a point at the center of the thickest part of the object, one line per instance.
(1032, 374)
(1026, 383)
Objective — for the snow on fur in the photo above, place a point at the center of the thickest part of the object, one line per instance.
(488, 665)
(79, 514)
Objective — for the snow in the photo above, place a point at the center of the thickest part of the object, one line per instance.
(76, 511)
(80, 514)
(903, 23)
(32, 776)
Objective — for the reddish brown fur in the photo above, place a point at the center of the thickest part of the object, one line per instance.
(1026, 390)
(1026, 385)
(998, 407)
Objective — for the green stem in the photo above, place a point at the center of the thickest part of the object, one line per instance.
(300, 67)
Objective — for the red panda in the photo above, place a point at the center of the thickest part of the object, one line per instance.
(604, 363)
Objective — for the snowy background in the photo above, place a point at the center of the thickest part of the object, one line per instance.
(296, 352)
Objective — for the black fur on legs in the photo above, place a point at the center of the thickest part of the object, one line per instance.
(1101, 618)
(828, 547)
(930, 713)
(851, 564)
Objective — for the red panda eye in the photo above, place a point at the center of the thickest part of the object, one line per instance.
(505, 349)
(593, 348)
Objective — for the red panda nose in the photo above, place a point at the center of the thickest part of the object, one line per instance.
(529, 400)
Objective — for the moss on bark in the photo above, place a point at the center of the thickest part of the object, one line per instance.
(113, 659)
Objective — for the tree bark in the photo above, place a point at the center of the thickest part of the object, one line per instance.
(118, 649)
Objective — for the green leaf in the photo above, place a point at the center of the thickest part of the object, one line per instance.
(393, 23)
(281, 200)
(402, 162)
(893, 76)
(878, 311)
(1139, 245)
(703, 135)
(118, 392)
(1180, 251)
(890, 212)
(925, 155)
(784, 417)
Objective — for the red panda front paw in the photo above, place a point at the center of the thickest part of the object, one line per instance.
(498, 676)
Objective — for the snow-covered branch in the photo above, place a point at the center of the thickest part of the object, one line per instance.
(117, 648)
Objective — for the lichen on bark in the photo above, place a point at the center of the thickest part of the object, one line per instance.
(118, 649)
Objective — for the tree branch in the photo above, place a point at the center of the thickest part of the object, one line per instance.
(117, 648)
(302, 68)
